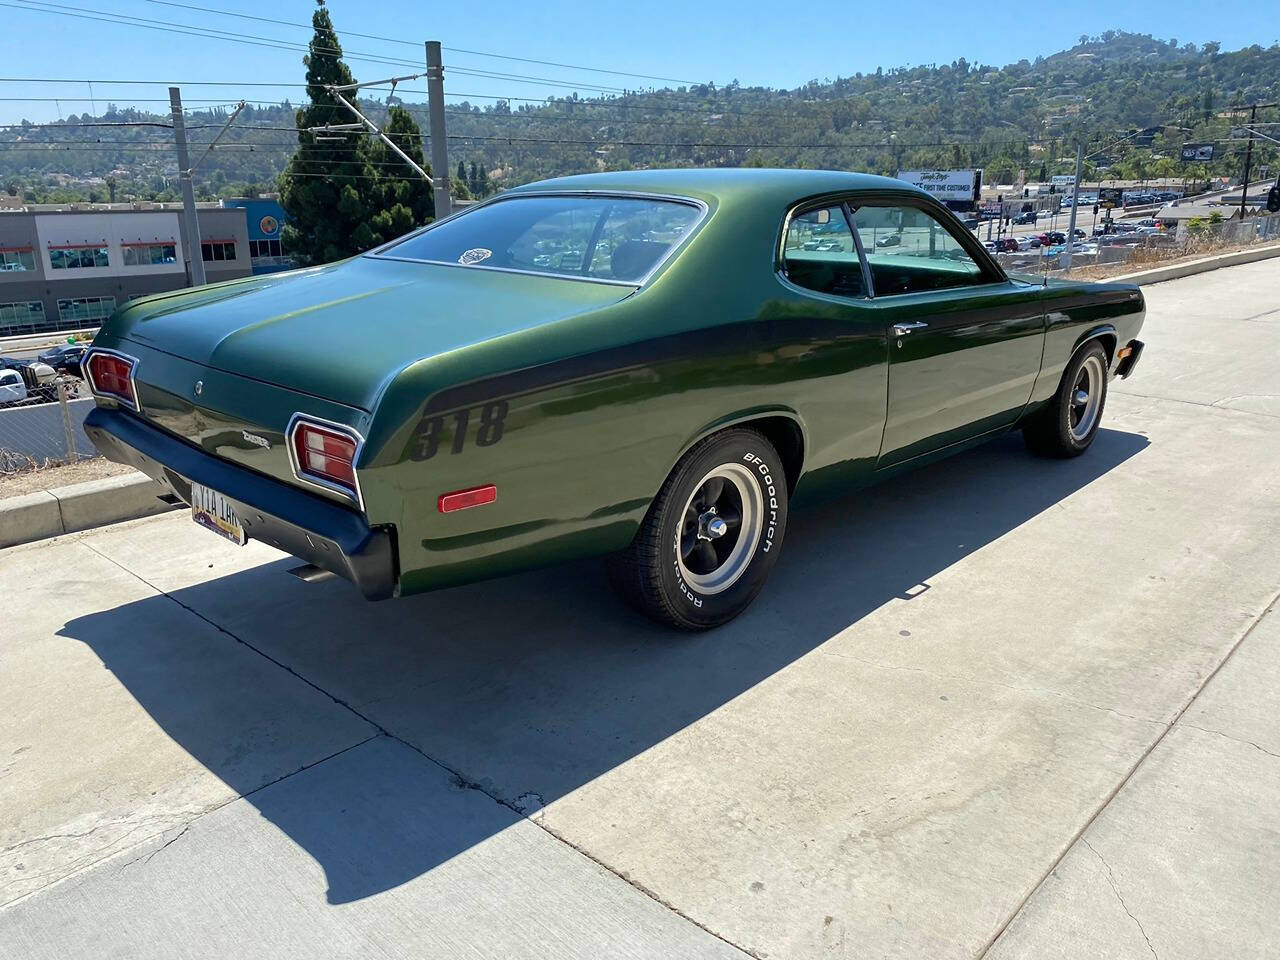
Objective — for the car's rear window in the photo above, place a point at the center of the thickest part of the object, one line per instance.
(587, 237)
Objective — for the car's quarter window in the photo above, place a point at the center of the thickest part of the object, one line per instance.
(619, 238)
(819, 253)
(909, 250)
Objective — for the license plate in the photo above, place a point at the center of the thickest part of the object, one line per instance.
(213, 511)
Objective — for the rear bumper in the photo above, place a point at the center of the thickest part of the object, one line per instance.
(309, 527)
(1125, 366)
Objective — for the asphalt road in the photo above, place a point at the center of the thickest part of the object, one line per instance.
(1004, 707)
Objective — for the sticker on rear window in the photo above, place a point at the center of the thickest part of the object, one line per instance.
(475, 255)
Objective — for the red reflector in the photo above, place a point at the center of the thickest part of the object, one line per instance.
(112, 376)
(325, 453)
(461, 499)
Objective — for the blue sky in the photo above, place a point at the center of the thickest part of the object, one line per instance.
(753, 41)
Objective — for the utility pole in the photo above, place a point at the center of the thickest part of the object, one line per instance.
(1248, 159)
(1075, 205)
(191, 226)
(435, 117)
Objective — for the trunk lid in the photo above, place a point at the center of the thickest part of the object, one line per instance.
(340, 332)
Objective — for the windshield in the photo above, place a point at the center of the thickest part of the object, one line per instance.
(600, 238)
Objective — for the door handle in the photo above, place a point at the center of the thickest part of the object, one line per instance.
(902, 329)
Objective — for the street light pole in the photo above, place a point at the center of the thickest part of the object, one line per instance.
(1075, 206)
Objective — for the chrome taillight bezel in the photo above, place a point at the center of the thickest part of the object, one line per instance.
(352, 493)
(86, 364)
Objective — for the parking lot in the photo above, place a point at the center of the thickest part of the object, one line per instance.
(1001, 707)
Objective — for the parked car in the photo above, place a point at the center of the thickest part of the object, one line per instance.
(38, 377)
(891, 240)
(65, 359)
(12, 389)
(663, 405)
(1027, 216)
(824, 245)
(1052, 237)
(1009, 245)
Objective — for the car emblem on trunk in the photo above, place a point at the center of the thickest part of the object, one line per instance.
(199, 387)
(254, 438)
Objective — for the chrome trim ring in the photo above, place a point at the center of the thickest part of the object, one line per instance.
(724, 488)
(1086, 398)
(86, 366)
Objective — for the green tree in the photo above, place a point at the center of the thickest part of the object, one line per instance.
(462, 172)
(323, 187)
(398, 198)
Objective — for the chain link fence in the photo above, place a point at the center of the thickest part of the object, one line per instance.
(1130, 249)
(44, 427)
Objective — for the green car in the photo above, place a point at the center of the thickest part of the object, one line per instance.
(651, 366)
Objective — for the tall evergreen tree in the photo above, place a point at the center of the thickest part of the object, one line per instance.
(462, 172)
(321, 187)
(398, 198)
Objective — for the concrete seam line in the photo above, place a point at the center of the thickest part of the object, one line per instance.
(1079, 834)
(457, 777)
(62, 521)
(182, 827)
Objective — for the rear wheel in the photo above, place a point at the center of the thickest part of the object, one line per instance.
(711, 536)
(1067, 426)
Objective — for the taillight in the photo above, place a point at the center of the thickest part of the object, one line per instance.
(111, 375)
(326, 455)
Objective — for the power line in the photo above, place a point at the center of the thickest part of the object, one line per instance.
(412, 43)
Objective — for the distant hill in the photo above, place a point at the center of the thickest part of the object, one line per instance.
(1150, 94)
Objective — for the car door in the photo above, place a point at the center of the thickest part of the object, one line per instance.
(833, 342)
(965, 343)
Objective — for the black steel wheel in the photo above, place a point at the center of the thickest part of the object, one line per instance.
(1066, 426)
(711, 536)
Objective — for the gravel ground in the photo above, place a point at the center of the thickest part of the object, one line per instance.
(44, 478)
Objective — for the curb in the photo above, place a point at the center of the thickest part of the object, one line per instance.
(1192, 267)
(80, 506)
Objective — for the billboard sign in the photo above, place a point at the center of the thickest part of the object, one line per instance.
(1110, 197)
(1197, 152)
(953, 185)
(1063, 183)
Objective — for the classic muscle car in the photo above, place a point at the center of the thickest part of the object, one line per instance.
(650, 366)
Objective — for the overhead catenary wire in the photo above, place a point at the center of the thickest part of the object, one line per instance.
(414, 43)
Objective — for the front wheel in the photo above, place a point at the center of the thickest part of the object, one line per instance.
(1066, 427)
(711, 536)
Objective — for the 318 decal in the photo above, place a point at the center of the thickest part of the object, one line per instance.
(490, 421)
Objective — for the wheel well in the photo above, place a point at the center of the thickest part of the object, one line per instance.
(1108, 341)
(787, 438)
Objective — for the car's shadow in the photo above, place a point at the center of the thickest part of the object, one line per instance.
(533, 685)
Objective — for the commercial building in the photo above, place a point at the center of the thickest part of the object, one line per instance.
(265, 218)
(67, 268)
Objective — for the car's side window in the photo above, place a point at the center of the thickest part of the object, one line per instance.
(909, 251)
(819, 253)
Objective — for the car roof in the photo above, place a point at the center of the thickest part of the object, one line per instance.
(724, 184)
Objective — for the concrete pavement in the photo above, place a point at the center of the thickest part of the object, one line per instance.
(971, 715)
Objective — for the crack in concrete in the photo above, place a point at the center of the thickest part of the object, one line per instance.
(1079, 836)
(146, 858)
(1199, 403)
(1227, 736)
(1111, 879)
(456, 776)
